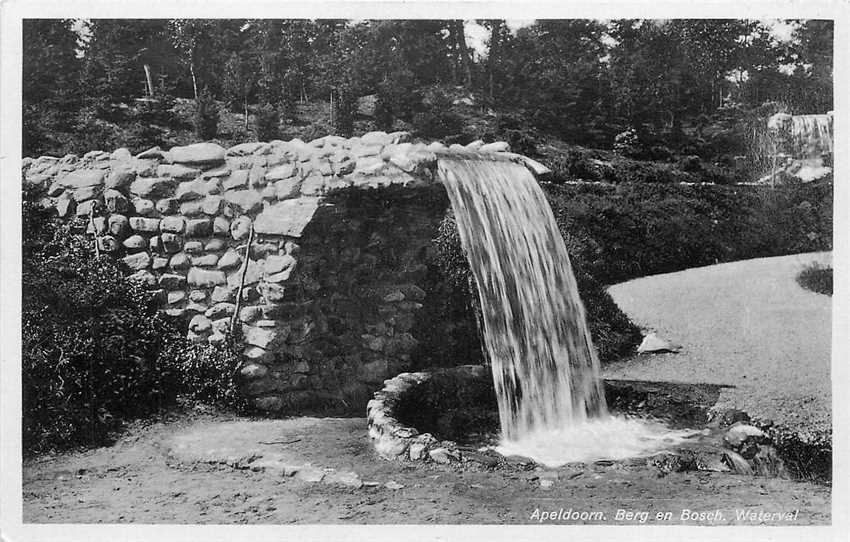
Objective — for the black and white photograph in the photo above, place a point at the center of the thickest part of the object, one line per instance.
(342, 270)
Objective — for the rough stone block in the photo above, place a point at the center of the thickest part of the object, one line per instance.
(198, 296)
(144, 207)
(192, 208)
(85, 208)
(193, 247)
(240, 228)
(250, 313)
(159, 263)
(200, 227)
(237, 179)
(287, 188)
(171, 242)
(168, 206)
(152, 187)
(118, 225)
(82, 178)
(220, 310)
(115, 201)
(137, 261)
(221, 226)
(288, 217)
(284, 171)
(135, 242)
(200, 324)
(138, 223)
(244, 201)
(265, 338)
(172, 224)
(205, 278)
(211, 205)
(120, 177)
(253, 370)
(206, 260)
(177, 171)
(176, 297)
(258, 355)
(191, 190)
(223, 294)
(180, 262)
(144, 277)
(253, 274)
(198, 153)
(214, 245)
(171, 281)
(87, 192)
(230, 260)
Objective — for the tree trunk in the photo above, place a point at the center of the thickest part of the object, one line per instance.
(149, 80)
(246, 112)
(194, 80)
(463, 49)
(491, 57)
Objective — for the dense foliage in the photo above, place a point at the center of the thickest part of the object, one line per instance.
(672, 83)
(96, 351)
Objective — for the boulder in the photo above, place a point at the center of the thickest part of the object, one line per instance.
(652, 343)
(139, 223)
(168, 206)
(240, 228)
(191, 190)
(198, 153)
(135, 242)
(173, 224)
(220, 310)
(199, 227)
(115, 201)
(230, 260)
(237, 179)
(180, 262)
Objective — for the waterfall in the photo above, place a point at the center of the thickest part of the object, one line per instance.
(545, 368)
(812, 134)
(544, 365)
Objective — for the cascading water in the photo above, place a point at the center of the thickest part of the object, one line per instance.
(812, 133)
(545, 370)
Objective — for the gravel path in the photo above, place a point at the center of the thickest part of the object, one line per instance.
(745, 324)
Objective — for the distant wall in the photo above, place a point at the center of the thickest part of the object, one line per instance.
(342, 231)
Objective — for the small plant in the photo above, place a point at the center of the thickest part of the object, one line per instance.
(267, 122)
(205, 118)
(817, 278)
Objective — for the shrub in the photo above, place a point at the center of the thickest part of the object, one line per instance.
(205, 117)
(91, 341)
(439, 120)
(626, 142)
(266, 122)
(206, 373)
(817, 278)
(345, 111)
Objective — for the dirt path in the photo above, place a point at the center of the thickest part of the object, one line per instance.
(745, 324)
(150, 477)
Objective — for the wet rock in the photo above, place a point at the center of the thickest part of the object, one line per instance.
(745, 439)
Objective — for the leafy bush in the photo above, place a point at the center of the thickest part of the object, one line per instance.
(91, 341)
(438, 120)
(266, 122)
(817, 278)
(205, 118)
(206, 373)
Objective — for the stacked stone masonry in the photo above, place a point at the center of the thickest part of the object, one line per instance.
(332, 276)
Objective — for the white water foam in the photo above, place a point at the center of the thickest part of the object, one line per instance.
(612, 437)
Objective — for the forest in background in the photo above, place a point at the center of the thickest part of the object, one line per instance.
(648, 89)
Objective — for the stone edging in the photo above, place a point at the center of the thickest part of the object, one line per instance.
(395, 441)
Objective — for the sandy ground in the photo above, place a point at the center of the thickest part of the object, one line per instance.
(746, 324)
(150, 477)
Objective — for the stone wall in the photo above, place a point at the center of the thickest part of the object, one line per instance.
(341, 233)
